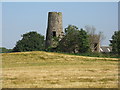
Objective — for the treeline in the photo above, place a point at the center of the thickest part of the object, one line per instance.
(74, 41)
(5, 50)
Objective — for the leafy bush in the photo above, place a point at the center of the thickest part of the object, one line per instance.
(74, 41)
(31, 41)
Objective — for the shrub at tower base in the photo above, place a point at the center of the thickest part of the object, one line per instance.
(31, 41)
(74, 41)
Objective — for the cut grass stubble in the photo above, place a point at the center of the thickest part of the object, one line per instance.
(54, 70)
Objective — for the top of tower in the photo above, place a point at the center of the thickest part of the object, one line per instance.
(55, 12)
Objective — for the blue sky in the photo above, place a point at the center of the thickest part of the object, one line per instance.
(0, 24)
(19, 18)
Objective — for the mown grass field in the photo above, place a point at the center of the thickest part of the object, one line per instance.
(54, 70)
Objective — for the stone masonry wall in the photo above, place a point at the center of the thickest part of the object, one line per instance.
(54, 28)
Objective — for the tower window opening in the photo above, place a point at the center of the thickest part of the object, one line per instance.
(54, 34)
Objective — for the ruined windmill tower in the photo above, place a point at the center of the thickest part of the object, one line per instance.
(95, 43)
(54, 29)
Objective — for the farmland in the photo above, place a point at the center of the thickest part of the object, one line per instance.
(40, 69)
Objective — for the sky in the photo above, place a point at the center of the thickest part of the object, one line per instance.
(118, 15)
(22, 17)
(0, 24)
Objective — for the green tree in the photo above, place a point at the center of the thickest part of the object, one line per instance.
(31, 41)
(115, 42)
(74, 41)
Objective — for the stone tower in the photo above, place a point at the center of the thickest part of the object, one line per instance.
(54, 29)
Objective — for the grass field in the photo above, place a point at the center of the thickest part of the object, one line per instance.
(54, 70)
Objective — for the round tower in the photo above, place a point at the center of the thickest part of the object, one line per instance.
(54, 29)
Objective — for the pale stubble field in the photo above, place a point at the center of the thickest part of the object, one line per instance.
(54, 70)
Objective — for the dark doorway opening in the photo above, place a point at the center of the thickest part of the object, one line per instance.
(54, 34)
